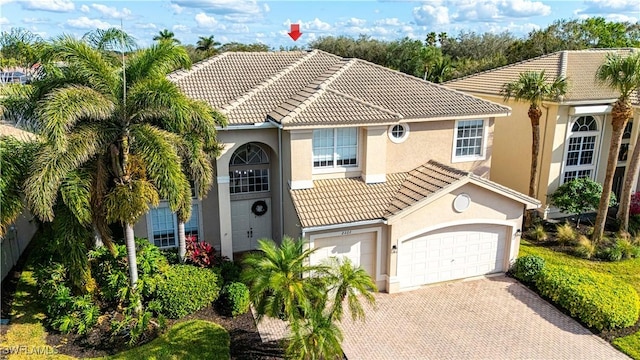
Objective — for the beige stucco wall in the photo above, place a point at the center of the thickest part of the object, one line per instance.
(433, 140)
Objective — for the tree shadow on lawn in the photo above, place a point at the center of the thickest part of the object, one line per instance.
(542, 307)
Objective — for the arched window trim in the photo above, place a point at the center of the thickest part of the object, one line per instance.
(582, 148)
(249, 170)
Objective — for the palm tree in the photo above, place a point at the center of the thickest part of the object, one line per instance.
(534, 87)
(315, 337)
(275, 278)
(208, 45)
(112, 39)
(120, 129)
(166, 35)
(623, 75)
(346, 281)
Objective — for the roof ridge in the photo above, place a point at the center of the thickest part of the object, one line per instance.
(181, 73)
(266, 83)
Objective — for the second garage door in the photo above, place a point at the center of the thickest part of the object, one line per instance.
(359, 248)
(452, 253)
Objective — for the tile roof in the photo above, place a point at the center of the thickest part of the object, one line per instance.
(579, 66)
(7, 129)
(337, 201)
(315, 88)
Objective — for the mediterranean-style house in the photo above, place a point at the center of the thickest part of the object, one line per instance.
(575, 130)
(359, 160)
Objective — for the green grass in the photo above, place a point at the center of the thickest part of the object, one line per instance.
(625, 270)
(194, 339)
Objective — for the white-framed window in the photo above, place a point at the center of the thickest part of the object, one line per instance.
(249, 170)
(581, 152)
(335, 147)
(398, 133)
(162, 225)
(469, 140)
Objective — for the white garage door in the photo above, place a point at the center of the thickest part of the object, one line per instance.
(452, 253)
(359, 248)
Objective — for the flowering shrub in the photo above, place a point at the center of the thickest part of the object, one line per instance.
(199, 253)
(634, 207)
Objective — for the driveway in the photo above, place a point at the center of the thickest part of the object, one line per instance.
(490, 318)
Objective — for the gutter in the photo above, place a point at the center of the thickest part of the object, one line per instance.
(341, 226)
(262, 125)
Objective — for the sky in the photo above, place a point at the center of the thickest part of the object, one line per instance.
(268, 22)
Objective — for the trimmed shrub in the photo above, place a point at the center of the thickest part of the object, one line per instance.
(229, 270)
(598, 300)
(538, 233)
(565, 233)
(234, 299)
(527, 268)
(186, 290)
(585, 248)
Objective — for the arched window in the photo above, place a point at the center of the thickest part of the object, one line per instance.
(582, 149)
(249, 170)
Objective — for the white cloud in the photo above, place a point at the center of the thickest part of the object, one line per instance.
(177, 9)
(428, 14)
(145, 26)
(207, 22)
(525, 8)
(35, 20)
(84, 8)
(84, 22)
(180, 28)
(112, 12)
(492, 10)
(621, 18)
(4, 20)
(355, 22)
(223, 6)
(49, 5)
(313, 25)
(2, 2)
(514, 28)
(388, 22)
(266, 7)
(610, 6)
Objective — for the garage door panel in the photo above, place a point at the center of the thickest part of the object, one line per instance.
(452, 253)
(359, 248)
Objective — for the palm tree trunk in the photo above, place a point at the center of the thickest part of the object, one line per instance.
(618, 124)
(133, 262)
(182, 241)
(633, 168)
(534, 115)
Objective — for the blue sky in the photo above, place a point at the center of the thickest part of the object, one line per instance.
(268, 21)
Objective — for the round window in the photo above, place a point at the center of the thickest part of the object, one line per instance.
(398, 133)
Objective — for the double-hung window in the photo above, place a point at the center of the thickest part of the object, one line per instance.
(468, 143)
(582, 149)
(163, 225)
(335, 147)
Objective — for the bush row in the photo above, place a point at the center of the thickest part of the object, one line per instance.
(187, 289)
(598, 300)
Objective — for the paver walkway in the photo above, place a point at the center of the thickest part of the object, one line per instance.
(493, 318)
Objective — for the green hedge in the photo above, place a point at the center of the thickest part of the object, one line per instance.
(527, 268)
(186, 290)
(234, 299)
(598, 300)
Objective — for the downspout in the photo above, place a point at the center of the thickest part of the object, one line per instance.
(280, 173)
(544, 141)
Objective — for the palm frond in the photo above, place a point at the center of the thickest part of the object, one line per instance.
(126, 203)
(197, 163)
(157, 61)
(76, 195)
(620, 73)
(112, 39)
(70, 239)
(63, 108)
(17, 105)
(158, 151)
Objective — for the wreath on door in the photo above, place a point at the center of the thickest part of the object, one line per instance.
(259, 208)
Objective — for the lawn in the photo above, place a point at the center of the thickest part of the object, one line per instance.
(626, 270)
(196, 339)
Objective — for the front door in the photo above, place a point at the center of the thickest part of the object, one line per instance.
(250, 221)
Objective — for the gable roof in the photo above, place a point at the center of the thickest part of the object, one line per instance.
(578, 66)
(315, 88)
(337, 201)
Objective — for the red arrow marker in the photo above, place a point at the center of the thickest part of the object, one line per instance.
(295, 32)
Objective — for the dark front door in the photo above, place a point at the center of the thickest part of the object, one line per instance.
(618, 181)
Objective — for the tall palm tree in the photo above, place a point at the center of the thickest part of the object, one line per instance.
(122, 128)
(534, 87)
(166, 35)
(112, 39)
(345, 281)
(275, 278)
(208, 45)
(623, 75)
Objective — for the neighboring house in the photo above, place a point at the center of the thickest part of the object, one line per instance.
(359, 160)
(575, 130)
(22, 230)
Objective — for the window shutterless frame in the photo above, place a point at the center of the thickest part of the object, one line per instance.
(469, 140)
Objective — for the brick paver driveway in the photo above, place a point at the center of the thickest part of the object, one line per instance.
(494, 318)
